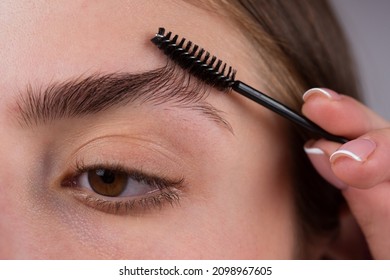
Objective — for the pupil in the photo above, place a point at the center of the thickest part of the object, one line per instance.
(107, 176)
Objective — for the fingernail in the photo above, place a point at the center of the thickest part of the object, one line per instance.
(313, 151)
(320, 161)
(330, 94)
(358, 150)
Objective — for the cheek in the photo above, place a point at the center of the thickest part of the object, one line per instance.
(252, 217)
(252, 192)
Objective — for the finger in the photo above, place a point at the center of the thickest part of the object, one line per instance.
(364, 169)
(360, 163)
(372, 212)
(340, 114)
(363, 162)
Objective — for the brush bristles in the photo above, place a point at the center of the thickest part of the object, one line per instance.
(196, 60)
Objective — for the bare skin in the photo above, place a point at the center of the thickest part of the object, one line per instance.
(223, 210)
(233, 199)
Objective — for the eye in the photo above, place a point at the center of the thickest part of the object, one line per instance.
(115, 183)
(115, 190)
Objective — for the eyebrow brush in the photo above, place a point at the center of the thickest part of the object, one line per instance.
(214, 72)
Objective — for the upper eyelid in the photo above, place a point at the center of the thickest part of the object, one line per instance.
(129, 206)
(135, 174)
(157, 184)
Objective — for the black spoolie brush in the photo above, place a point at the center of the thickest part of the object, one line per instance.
(217, 74)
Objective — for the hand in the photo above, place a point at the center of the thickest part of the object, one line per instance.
(361, 167)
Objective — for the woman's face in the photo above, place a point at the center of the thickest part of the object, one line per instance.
(100, 161)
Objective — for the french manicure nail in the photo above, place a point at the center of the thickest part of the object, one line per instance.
(358, 150)
(313, 151)
(330, 94)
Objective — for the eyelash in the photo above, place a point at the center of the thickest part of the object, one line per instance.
(167, 190)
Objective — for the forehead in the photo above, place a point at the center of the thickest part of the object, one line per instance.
(54, 40)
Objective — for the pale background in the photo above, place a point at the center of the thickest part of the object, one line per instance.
(367, 24)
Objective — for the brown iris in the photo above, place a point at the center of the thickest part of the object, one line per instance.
(107, 182)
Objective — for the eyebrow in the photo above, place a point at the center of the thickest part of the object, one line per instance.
(96, 93)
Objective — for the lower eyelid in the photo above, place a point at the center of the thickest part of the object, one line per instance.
(125, 206)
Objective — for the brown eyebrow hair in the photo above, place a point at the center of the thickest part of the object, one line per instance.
(95, 93)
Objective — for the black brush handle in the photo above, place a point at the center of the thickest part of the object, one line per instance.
(284, 111)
